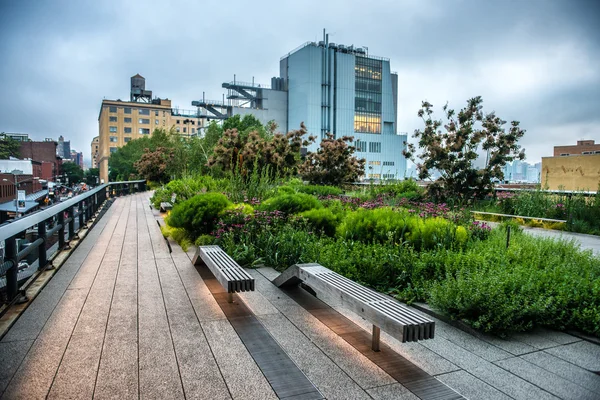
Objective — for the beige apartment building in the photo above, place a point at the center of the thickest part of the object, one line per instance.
(574, 167)
(122, 121)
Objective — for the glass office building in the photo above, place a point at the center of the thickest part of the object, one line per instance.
(343, 90)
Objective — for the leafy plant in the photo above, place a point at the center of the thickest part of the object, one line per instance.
(321, 220)
(198, 215)
(291, 203)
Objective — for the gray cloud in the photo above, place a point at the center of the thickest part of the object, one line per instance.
(534, 61)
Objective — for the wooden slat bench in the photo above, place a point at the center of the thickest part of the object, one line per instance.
(401, 322)
(165, 206)
(229, 274)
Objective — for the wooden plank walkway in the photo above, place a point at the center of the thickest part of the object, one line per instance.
(126, 319)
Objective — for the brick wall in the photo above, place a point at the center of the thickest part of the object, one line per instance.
(582, 146)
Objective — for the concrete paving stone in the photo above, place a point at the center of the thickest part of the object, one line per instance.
(159, 374)
(546, 380)
(199, 371)
(502, 380)
(270, 291)
(31, 322)
(76, 376)
(509, 383)
(538, 340)
(118, 371)
(242, 376)
(93, 317)
(357, 366)
(391, 392)
(327, 377)
(469, 342)
(514, 347)
(268, 272)
(258, 303)
(11, 356)
(35, 374)
(123, 316)
(471, 387)
(565, 369)
(205, 306)
(584, 354)
(64, 317)
(415, 352)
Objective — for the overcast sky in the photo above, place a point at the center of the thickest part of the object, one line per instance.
(536, 61)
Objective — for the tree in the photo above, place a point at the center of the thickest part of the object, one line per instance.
(239, 153)
(153, 165)
(9, 147)
(333, 163)
(72, 172)
(453, 151)
(92, 176)
(121, 162)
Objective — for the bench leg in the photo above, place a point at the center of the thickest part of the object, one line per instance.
(230, 297)
(376, 334)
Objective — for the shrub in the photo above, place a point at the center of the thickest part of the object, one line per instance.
(319, 190)
(184, 188)
(204, 240)
(291, 203)
(321, 220)
(198, 215)
(377, 225)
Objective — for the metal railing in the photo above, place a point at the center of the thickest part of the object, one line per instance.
(49, 222)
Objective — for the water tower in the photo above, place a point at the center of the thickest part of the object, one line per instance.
(138, 90)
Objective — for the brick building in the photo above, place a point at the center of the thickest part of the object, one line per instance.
(583, 147)
(44, 153)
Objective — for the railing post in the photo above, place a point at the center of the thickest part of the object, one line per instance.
(80, 214)
(10, 254)
(71, 215)
(42, 255)
(61, 231)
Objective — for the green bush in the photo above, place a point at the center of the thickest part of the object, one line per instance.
(184, 188)
(322, 220)
(291, 203)
(377, 225)
(319, 190)
(198, 215)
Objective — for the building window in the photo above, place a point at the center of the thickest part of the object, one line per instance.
(127, 129)
(127, 110)
(113, 149)
(112, 109)
(177, 129)
(374, 162)
(164, 114)
(112, 119)
(155, 122)
(374, 176)
(586, 152)
(361, 146)
(194, 131)
(156, 113)
(112, 129)
(127, 139)
(564, 154)
(144, 121)
(163, 122)
(127, 120)
(388, 163)
(113, 139)
(143, 111)
(144, 131)
(374, 147)
(367, 123)
(184, 129)
(368, 95)
(389, 176)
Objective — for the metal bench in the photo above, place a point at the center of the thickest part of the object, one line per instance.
(229, 274)
(383, 312)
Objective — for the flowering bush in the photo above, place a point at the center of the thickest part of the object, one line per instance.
(480, 230)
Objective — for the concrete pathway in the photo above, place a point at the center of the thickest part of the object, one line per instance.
(124, 318)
